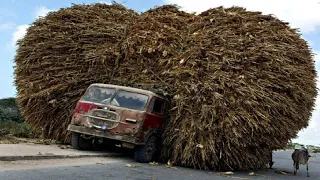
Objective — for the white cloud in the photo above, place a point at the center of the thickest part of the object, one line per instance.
(19, 33)
(300, 14)
(105, 2)
(42, 11)
(6, 26)
(22, 29)
(311, 135)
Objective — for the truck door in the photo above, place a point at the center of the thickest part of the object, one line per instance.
(155, 115)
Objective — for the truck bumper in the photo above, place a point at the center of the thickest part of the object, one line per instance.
(103, 134)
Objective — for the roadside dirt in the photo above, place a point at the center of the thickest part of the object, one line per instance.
(10, 139)
(48, 163)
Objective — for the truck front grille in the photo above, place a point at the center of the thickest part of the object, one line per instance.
(98, 118)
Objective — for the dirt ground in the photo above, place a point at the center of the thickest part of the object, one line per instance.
(49, 163)
(10, 139)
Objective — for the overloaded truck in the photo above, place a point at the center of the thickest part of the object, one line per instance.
(128, 117)
(119, 115)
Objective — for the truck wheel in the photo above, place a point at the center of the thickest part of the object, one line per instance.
(144, 154)
(79, 143)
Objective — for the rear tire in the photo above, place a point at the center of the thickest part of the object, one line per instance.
(80, 143)
(145, 154)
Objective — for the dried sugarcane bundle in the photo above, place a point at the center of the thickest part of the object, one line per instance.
(241, 83)
(250, 87)
(61, 55)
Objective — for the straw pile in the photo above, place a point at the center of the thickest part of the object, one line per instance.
(242, 84)
(61, 55)
(249, 87)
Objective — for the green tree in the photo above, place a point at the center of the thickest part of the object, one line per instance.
(9, 110)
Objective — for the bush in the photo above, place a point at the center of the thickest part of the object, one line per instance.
(11, 121)
(316, 150)
(9, 110)
(15, 128)
(4, 132)
(21, 130)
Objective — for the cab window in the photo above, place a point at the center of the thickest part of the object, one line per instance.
(130, 100)
(158, 106)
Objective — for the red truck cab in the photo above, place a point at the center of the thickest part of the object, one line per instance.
(129, 116)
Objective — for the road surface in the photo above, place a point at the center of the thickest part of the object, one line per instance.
(122, 168)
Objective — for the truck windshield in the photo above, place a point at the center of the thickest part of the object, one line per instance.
(99, 94)
(130, 100)
(126, 99)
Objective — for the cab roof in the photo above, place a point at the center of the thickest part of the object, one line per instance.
(126, 88)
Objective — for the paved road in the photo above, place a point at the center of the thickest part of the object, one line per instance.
(121, 168)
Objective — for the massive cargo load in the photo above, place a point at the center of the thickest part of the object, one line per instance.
(241, 83)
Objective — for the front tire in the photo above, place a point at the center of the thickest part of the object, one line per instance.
(145, 154)
(80, 143)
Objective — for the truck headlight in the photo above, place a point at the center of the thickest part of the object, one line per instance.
(104, 127)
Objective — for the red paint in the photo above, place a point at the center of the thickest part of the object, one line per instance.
(152, 121)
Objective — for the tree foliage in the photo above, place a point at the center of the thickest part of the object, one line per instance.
(9, 110)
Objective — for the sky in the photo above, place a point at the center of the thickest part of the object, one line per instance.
(17, 15)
